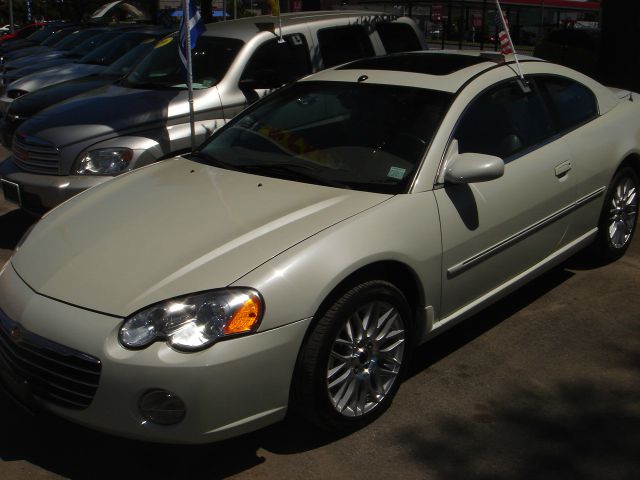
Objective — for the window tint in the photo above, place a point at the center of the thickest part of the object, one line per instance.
(114, 49)
(398, 37)
(91, 43)
(571, 103)
(343, 44)
(280, 62)
(350, 135)
(76, 38)
(503, 121)
(162, 68)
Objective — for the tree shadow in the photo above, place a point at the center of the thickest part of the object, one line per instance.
(577, 430)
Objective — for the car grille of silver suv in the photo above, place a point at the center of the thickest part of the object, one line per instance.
(51, 371)
(35, 155)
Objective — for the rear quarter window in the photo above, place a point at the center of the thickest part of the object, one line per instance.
(398, 37)
(571, 103)
(343, 44)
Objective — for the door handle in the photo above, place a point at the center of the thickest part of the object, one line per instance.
(562, 169)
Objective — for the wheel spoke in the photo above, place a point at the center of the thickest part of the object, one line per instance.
(365, 358)
(385, 323)
(346, 394)
(340, 379)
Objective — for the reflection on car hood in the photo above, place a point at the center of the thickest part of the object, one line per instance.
(53, 75)
(28, 105)
(36, 67)
(173, 228)
(106, 110)
(35, 59)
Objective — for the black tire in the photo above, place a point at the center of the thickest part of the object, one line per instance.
(363, 362)
(619, 215)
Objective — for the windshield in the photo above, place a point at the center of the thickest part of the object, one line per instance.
(349, 135)
(39, 35)
(114, 49)
(162, 68)
(124, 64)
(57, 37)
(76, 38)
(91, 43)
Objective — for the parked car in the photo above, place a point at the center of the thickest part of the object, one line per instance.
(85, 141)
(20, 34)
(297, 257)
(56, 45)
(94, 62)
(26, 106)
(11, 73)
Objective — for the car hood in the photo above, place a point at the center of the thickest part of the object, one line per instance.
(18, 73)
(107, 110)
(53, 75)
(35, 59)
(171, 229)
(28, 105)
(25, 52)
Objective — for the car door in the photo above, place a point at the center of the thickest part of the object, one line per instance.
(493, 232)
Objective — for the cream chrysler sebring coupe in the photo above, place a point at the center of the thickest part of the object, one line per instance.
(298, 256)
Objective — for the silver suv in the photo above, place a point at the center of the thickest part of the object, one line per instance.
(144, 117)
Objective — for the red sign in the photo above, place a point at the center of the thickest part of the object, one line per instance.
(436, 13)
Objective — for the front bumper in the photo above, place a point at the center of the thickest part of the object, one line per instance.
(39, 192)
(233, 387)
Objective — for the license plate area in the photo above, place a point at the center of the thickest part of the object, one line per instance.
(11, 192)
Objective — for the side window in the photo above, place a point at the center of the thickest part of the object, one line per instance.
(398, 37)
(343, 44)
(571, 103)
(274, 64)
(503, 121)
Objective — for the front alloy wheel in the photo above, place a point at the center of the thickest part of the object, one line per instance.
(354, 358)
(365, 359)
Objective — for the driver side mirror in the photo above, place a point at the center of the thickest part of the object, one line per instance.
(473, 167)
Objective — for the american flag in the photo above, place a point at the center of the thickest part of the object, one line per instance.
(503, 37)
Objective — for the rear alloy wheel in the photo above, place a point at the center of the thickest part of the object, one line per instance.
(619, 215)
(355, 357)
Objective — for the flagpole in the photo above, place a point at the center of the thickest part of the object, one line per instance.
(192, 121)
(506, 29)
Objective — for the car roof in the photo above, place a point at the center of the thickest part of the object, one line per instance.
(445, 70)
(246, 28)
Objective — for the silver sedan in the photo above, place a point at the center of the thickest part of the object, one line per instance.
(297, 257)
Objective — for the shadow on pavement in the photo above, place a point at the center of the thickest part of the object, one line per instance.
(13, 225)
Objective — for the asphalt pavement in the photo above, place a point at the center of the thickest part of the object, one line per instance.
(544, 384)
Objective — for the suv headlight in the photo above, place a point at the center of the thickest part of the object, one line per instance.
(104, 161)
(194, 322)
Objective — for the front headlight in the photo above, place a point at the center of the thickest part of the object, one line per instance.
(104, 161)
(194, 322)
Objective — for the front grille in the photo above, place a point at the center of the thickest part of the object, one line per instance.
(55, 373)
(34, 155)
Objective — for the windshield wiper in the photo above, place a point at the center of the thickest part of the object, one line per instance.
(209, 160)
(284, 171)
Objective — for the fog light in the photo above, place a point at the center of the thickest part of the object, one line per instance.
(162, 407)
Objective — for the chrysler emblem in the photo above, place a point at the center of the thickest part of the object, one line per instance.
(16, 334)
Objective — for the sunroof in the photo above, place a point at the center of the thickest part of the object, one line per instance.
(426, 63)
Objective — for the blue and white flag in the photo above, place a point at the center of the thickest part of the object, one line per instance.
(195, 26)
